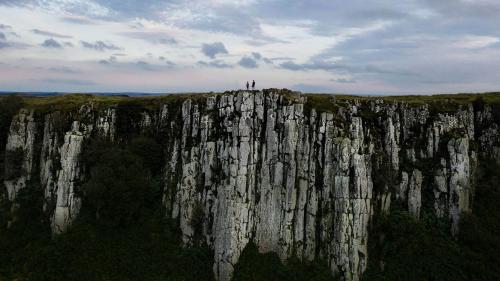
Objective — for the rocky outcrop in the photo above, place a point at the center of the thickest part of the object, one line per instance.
(55, 164)
(50, 159)
(19, 152)
(67, 202)
(269, 168)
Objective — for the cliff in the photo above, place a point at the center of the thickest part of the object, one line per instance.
(299, 175)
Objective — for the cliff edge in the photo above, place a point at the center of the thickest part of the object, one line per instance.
(299, 175)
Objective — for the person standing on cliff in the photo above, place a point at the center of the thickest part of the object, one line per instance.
(253, 85)
(248, 85)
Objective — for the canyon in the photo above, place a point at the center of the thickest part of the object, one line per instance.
(295, 174)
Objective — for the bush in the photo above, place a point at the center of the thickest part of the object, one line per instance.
(14, 163)
(119, 190)
(150, 152)
(480, 231)
(403, 248)
(253, 266)
(411, 249)
(9, 106)
(120, 235)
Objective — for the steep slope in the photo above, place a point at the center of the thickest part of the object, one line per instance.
(295, 174)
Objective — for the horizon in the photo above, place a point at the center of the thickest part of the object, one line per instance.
(156, 94)
(164, 47)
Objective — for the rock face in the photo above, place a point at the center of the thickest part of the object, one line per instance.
(269, 168)
(19, 152)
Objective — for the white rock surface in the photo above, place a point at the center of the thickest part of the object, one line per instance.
(67, 202)
(20, 144)
(258, 167)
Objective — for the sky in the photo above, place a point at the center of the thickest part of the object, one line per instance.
(356, 47)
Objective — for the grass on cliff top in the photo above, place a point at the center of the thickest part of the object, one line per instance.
(69, 102)
(441, 102)
(491, 97)
(321, 102)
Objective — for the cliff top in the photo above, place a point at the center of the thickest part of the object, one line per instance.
(322, 102)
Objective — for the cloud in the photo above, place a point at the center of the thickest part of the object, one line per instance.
(215, 64)
(140, 65)
(151, 37)
(248, 62)
(145, 65)
(63, 69)
(4, 43)
(342, 68)
(282, 59)
(343, 80)
(50, 34)
(110, 60)
(167, 62)
(475, 42)
(51, 43)
(78, 20)
(312, 88)
(265, 40)
(14, 34)
(256, 55)
(137, 25)
(74, 82)
(170, 63)
(290, 65)
(478, 9)
(213, 49)
(218, 16)
(99, 46)
(375, 45)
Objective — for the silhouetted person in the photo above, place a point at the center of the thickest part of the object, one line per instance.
(253, 85)
(248, 85)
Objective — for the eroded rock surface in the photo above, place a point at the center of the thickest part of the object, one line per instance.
(271, 169)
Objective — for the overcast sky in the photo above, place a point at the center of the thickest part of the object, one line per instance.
(357, 46)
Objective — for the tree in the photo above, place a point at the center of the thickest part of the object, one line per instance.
(119, 190)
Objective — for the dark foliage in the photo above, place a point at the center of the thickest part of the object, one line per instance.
(480, 231)
(149, 151)
(410, 249)
(403, 248)
(253, 266)
(120, 235)
(9, 106)
(119, 191)
(13, 163)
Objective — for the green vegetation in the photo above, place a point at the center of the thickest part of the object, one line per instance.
(121, 233)
(14, 166)
(403, 248)
(320, 102)
(253, 266)
(121, 189)
(480, 231)
(9, 106)
(437, 103)
(69, 102)
(409, 249)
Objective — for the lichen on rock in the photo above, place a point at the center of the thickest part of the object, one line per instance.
(270, 168)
